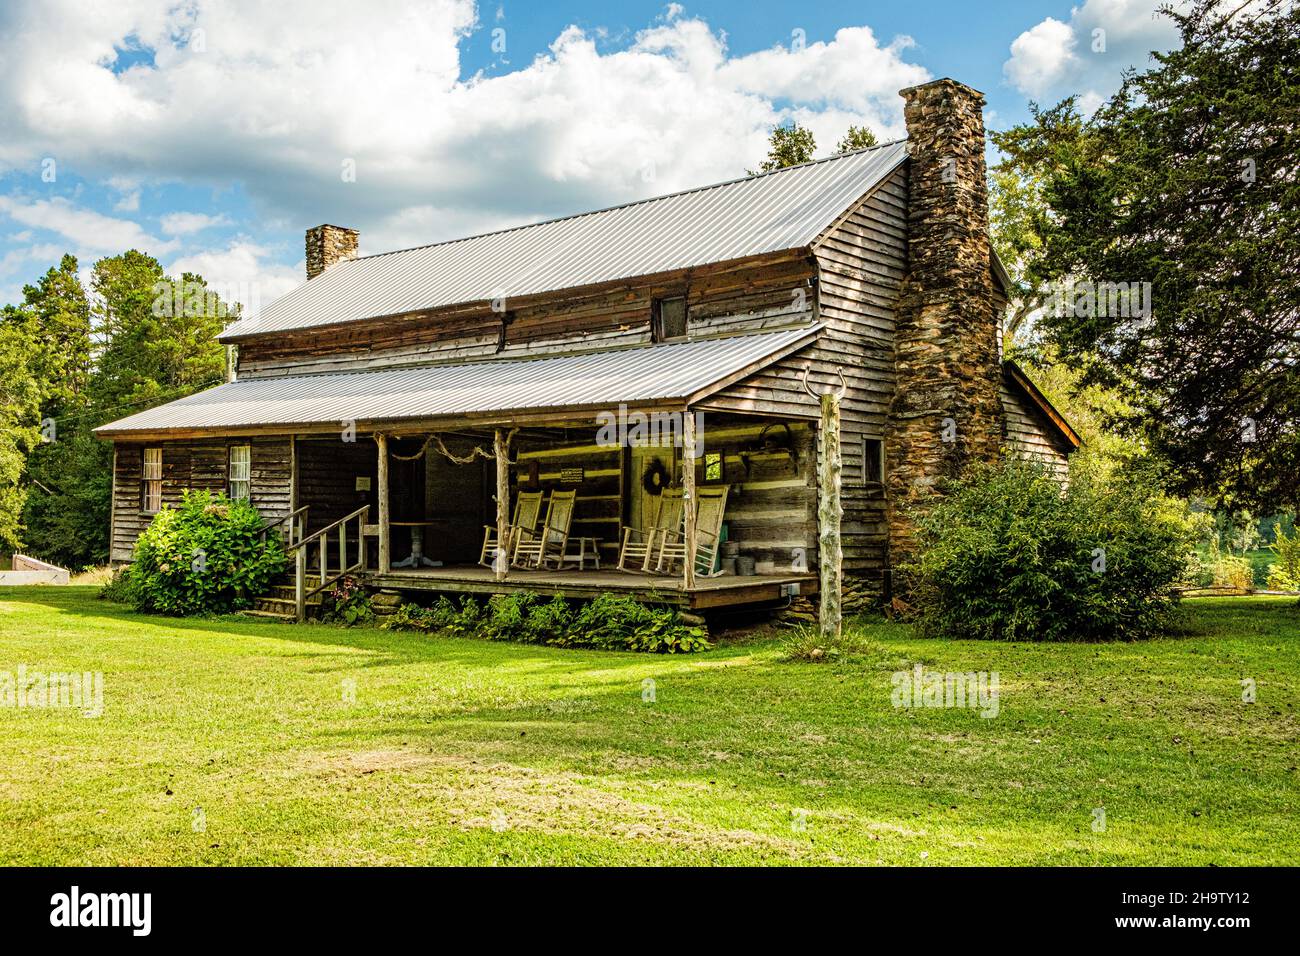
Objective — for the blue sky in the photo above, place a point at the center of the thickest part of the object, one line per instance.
(211, 134)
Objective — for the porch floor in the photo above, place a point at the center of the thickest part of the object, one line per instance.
(723, 591)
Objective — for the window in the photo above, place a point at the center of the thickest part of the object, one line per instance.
(873, 460)
(713, 466)
(669, 319)
(239, 471)
(864, 460)
(153, 480)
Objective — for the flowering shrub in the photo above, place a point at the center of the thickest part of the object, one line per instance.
(206, 557)
(346, 603)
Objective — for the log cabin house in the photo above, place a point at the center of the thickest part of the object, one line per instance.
(387, 410)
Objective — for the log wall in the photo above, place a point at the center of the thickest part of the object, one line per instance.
(197, 466)
(737, 297)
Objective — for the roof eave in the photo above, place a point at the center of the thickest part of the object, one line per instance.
(1021, 378)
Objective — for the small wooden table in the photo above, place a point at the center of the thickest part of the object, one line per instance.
(417, 558)
(588, 550)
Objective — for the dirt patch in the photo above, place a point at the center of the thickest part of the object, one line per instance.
(491, 794)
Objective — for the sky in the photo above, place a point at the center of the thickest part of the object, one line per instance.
(213, 134)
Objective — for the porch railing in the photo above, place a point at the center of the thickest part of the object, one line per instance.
(338, 531)
(297, 522)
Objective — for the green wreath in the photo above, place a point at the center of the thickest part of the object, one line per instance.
(655, 479)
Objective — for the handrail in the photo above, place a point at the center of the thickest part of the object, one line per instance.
(292, 525)
(329, 527)
(299, 549)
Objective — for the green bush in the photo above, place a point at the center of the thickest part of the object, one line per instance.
(205, 557)
(1284, 575)
(608, 622)
(1011, 554)
(120, 588)
(506, 617)
(1231, 571)
(1279, 580)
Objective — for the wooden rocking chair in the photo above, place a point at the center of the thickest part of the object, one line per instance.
(528, 507)
(537, 549)
(710, 508)
(638, 543)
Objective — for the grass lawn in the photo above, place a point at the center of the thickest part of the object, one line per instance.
(463, 751)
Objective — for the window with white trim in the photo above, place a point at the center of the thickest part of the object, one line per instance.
(152, 480)
(240, 471)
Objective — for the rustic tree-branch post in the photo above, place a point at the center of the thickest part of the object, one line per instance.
(501, 451)
(385, 535)
(688, 496)
(830, 550)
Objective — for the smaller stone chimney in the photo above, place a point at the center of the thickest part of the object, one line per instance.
(329, 245)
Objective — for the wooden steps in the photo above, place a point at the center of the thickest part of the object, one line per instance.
(278, 603)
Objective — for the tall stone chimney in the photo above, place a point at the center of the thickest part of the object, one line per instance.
(946, 413)
(328, 245)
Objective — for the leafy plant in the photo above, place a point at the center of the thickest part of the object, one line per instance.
(1011, 554)
(120, 588)
(1231, 571)
(347, 603)
(206, 557)
(1284, 575)
(610, 622)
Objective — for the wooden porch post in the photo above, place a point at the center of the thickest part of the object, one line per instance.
(830, 551)
(501, 450)
(293, 488)
(385, 537)
(688, 495)
(300, 583)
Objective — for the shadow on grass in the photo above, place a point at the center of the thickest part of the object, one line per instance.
(385, 647)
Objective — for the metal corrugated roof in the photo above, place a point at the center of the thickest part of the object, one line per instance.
(784, 209)
(594, 380)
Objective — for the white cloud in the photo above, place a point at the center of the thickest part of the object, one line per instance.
(1087, 56)
(277, 102)
(243, 272)
(128, 189)
(87, 230)
(186, 223)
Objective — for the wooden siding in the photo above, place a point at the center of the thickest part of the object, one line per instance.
(328, 470)
(1030, 432)
(197, 466)
(861, 262)
(735, 298)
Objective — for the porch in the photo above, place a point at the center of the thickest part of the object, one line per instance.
(705, 594)
(422, 511)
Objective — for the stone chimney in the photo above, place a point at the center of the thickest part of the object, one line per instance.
(328, 245)
(946, 413)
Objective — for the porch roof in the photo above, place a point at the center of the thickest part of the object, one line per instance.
(668, 373)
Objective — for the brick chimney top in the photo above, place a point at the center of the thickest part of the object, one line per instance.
(329, 245)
